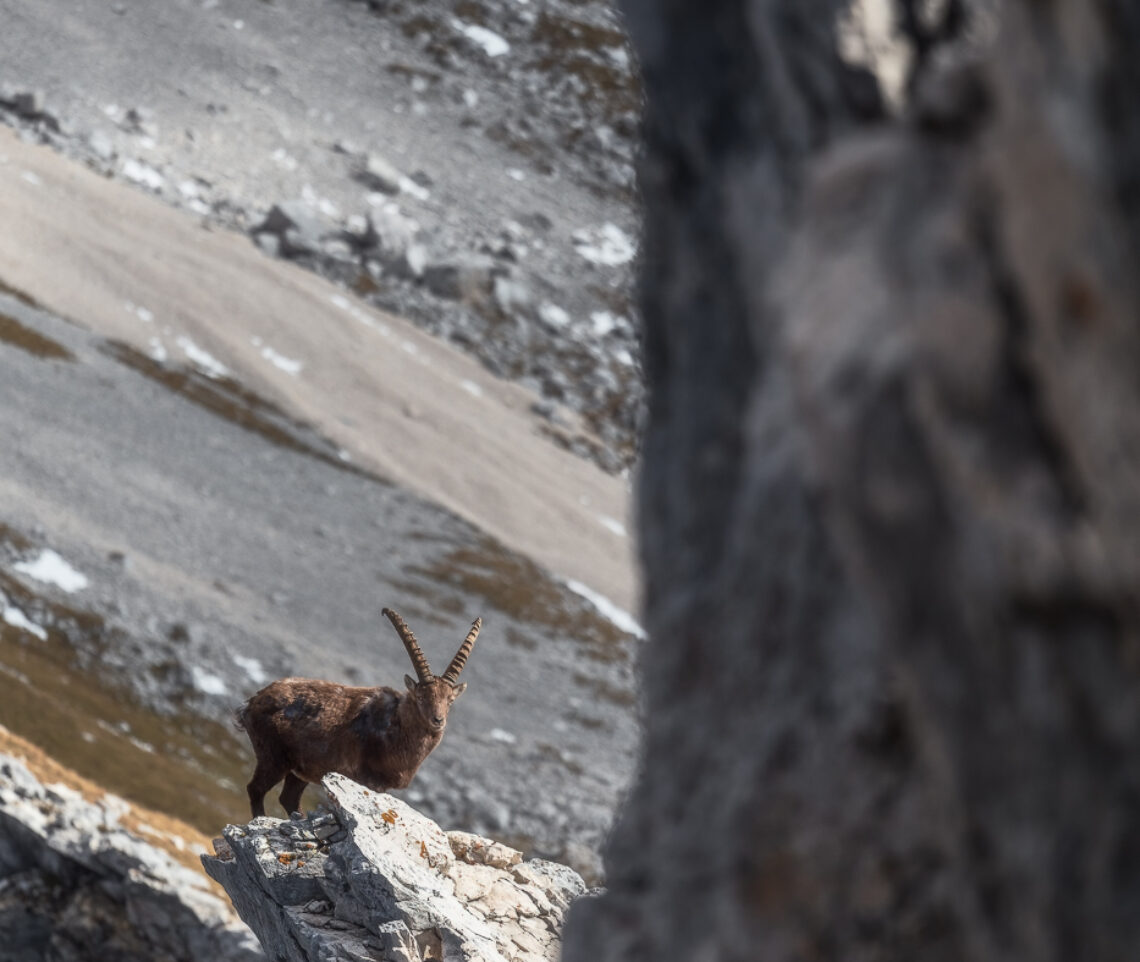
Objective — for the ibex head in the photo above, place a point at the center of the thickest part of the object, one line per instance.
(433, 695)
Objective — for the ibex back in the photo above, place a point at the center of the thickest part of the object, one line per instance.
(302, 728)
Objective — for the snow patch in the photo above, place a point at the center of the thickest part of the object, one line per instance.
(142, 313)
(51, 569)
(288, 365)
(612, 524)
(607, 609)
(252, 667)
(607, 245)
(604, 322)
(493, 45)
(285, 160)
(412, 189)
(17, 619)
(344, 304)
(471, 388)
(32, 178)
(207, 363)
(142, 174)
(499, 735)
(552, 315)
(207, 682)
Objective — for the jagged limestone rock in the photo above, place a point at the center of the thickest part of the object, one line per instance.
(77, 886)
(376, 880)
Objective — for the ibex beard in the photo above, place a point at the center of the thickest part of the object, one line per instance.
(303, 728)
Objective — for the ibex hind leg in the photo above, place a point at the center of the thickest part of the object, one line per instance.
(291, 794)
(264, 778)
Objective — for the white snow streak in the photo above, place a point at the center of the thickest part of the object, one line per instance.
(288, 365)
(51, 569)
(143, 174)
(252, 667)
(607, 609)
(493, 45)
(607, 245)
(17, 619)
(207, 363)
(345, 305)
(612, 524)
(207, 682)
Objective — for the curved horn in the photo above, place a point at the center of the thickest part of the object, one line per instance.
(460, 659)
(409, 640)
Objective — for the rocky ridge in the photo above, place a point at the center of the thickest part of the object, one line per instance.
(78, 885)
(372, 879)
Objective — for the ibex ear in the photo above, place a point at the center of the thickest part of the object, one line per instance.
(410, 682)
(457, 690)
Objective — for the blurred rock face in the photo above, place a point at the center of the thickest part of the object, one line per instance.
(889, 498)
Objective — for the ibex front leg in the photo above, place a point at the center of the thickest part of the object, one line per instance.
(291, 794)
(264, 778)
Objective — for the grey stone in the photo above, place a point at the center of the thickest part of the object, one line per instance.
(361, 231)
(414, 261)
(299, 241)
(298, 227)
(398, 943)
(552, 411)
(461, 279)
(338, 249)
(378, 174)
(269, 243)
(512, 296)
(101, 145)
(69, 868)
(28, 103)
(140, 120)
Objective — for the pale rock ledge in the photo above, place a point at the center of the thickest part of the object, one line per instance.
(374, 880)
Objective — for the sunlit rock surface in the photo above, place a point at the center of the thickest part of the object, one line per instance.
(375, 880)
(76, 885)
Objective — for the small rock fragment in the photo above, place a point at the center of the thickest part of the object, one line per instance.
(379, 174)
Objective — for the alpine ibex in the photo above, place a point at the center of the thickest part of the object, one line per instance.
(301, 729)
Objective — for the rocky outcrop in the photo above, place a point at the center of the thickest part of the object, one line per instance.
(372, 879)
(77, 886)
